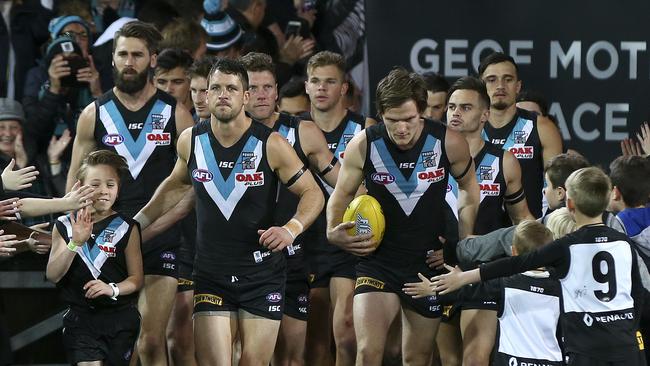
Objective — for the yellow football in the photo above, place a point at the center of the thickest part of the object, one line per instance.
(368, 217)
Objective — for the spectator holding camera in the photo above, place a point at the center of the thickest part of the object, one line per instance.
(61, 85)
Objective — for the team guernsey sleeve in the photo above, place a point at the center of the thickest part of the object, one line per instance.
(553, 255)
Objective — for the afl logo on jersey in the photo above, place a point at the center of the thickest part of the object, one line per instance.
(449, 188)
(382, 178)
(112, 139)
(274, 297)
(202, 175)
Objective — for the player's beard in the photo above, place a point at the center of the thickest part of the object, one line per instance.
(130, 86)
(500, 106)
(226, 116)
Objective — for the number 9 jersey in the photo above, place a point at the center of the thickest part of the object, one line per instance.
(601, 289)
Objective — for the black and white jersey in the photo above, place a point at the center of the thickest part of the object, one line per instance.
(528, 312)
(338, 138)
(235, 191)
(410, 185)
(101, 257)
(319, 249)
(289, 127)
(491, 213)
(145, 138)
(521, 137)
(598, 272)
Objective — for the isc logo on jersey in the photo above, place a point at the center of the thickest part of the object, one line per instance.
(432, 176)
(490, 189)
(250, 179)
(202, 175)
(160, 139)
(523, 152)
(112, 139)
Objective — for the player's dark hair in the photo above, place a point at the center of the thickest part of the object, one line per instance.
(230, 67)
(535, 97)
(589, 189)
(141, 30)
(103, 157)
(398, 87)
(561, 166)
(529, 235)
(631, 175)
(293, 88)
(202, 66)
(435, 82)
(496, 58)
(258, 62)
(185, 34)
(471, 83)
(172, 58)
(158, 13)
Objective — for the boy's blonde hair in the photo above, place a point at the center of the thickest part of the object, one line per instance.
(589, 189)
(560, 222)
(529, 235)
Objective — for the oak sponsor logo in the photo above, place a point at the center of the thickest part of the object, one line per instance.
(208, 299)
(108, 250)
(490, 189)
(432, 176)
(523, 152)
(369, 281)
(250, 179)
(160, 139)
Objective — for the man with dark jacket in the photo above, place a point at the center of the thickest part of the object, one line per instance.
(23, 28)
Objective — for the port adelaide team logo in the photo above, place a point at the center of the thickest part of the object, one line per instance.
(254, 179)
(429, 161)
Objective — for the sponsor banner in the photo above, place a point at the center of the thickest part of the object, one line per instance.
(594, 70)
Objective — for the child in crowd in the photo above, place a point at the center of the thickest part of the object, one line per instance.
(97, 265)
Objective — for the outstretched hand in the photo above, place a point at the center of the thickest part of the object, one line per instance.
(419, 290)
(449, 282)
(14, 180)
